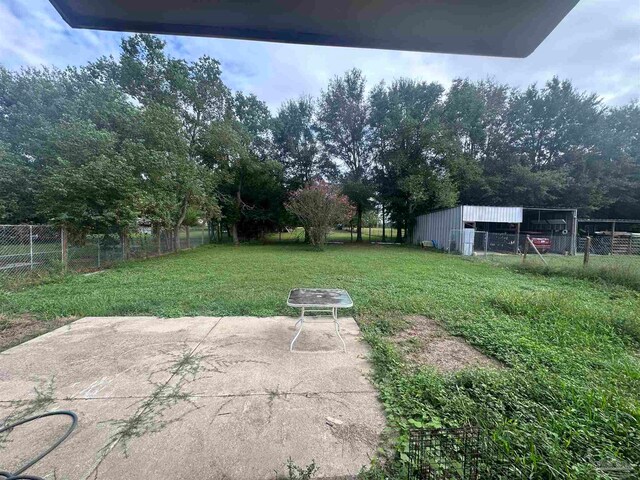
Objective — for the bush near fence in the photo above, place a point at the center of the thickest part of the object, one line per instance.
(27, 250)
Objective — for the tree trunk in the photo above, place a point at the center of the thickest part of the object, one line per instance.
(234, 234)
(398, 232)
(306, 235)
(124, 240)
(183, 213)
(384, 231)
(359, 226)
(236, 242)
(176, 239)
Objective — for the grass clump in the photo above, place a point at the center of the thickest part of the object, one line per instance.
(622, 270)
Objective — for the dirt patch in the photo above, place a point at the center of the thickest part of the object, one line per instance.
(19, 328)
(425, 342)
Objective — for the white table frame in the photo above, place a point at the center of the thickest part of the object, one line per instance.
(318, 308)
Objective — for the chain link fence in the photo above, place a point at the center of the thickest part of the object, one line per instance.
(620, 244)
(615, 259)
(28, 248)
(470, 242)
(39, 249)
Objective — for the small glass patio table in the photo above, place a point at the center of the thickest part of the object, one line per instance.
(319, 300)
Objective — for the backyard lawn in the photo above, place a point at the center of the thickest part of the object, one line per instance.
(561, 396)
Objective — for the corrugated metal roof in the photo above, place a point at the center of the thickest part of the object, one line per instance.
(476, 213)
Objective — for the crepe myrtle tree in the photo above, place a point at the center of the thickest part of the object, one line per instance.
(319, 206)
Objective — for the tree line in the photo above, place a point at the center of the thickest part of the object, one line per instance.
(149, 136)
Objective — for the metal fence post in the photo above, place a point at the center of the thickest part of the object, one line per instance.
(98, 242)
(63, 246)
(31, 244)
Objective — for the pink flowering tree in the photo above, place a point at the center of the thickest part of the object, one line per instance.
(319, 207)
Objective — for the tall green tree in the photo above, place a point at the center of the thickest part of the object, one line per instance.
(296, 146)
(343, 130)
(410, 152)
(190, 97)
(251, 184)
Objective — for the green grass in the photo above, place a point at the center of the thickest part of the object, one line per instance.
(607, 269)
(567, 401)
(373, 234)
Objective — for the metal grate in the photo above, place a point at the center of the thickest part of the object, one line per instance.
(457, 454)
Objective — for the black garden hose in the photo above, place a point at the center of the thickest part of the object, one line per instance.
(18, 475)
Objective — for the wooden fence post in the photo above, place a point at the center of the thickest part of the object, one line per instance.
(613, 236)
(526, 250)
(535, 249)
(587, 250)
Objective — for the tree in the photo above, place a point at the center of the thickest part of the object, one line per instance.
(186, 99)
(296, 146)
(63, 132)
(616, 167)
(474, 125)
(319, 207)
(250, 189)
(343, 130)
(410, 152)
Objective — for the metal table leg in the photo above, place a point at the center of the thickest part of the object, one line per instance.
(337, 325)
(301, 322)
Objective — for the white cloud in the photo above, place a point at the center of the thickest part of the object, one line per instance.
(597, 46)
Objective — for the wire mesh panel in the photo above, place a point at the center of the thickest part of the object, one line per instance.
(444, 454)
(621, 244)
(26, 249)
(36, 249)
(457, 454)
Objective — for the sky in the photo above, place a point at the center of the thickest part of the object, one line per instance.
(596, 46)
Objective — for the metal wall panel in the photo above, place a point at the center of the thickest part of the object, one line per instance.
(437, 226)
(474, 213)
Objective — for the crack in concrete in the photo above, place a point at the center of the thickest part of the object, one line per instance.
(205, 395)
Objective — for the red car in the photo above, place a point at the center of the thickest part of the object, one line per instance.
(540, 240)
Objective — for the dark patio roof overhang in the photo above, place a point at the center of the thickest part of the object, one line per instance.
(506, 28)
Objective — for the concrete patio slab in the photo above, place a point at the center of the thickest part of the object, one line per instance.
(79, 455)
(257, 351)
(100, 357)
(201, 397)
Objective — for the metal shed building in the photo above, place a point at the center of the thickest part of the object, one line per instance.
(504, 228)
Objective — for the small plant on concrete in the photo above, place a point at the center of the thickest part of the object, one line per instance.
(294, 472)
(319, 206)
